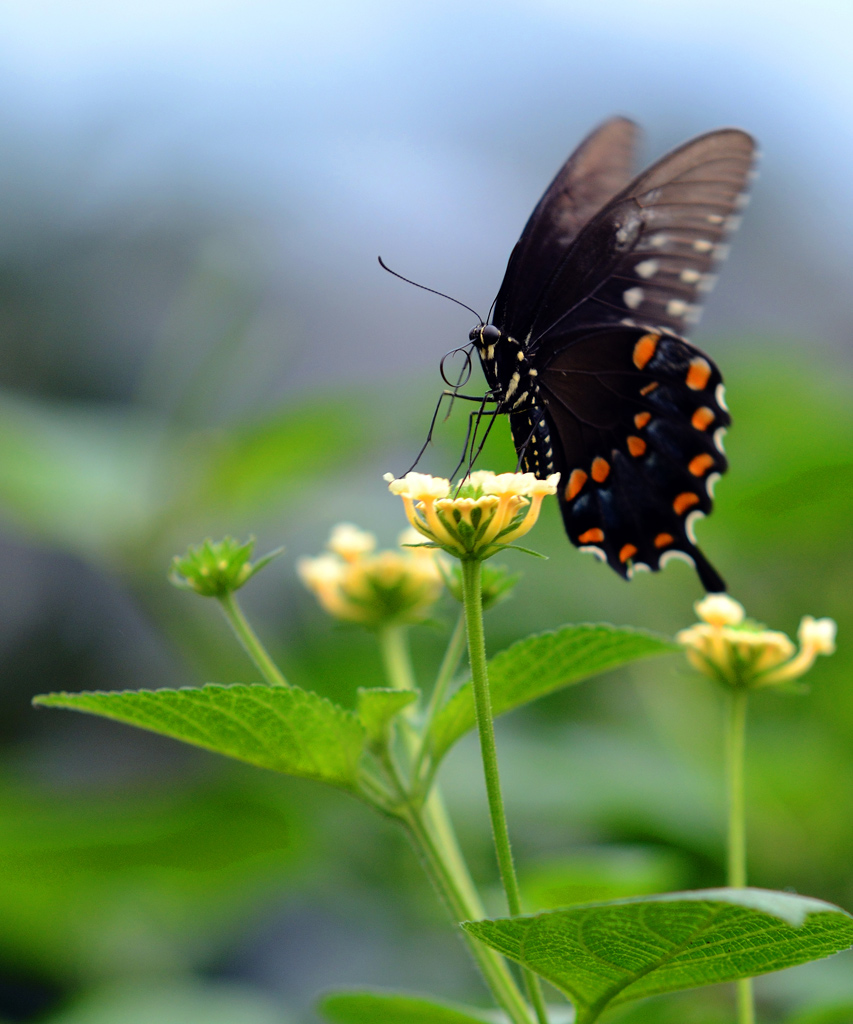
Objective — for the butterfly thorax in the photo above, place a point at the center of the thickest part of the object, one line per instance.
(514, 385)
(511, 377)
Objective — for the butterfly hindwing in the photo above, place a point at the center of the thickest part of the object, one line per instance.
(636, 419)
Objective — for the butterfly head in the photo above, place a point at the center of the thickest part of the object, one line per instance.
(484, 335)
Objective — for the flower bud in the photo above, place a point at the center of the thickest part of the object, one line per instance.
(354, 583)
(216, 568)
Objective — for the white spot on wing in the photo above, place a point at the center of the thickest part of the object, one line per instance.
(681, 556)
(707, 283)
(720, 395)
(690, 523)
(633, 297)
(659, 240)
(628, 322)
(715, 218)
(676, 307)
(719, 434)
(648, 268)
(742, 201)
(703, 245)
(721, 251)
(711, 483)
(689, 275)
(593, 550)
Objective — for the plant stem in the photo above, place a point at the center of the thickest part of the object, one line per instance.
(398, 669)
(736, 847)
(449, 665)
(472, 598)
(432, 834)
(251, 644)
(395, 657)
(444, 878)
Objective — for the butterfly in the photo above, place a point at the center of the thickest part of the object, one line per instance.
(586, 348)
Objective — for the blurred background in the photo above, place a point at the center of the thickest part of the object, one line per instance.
(195, 338)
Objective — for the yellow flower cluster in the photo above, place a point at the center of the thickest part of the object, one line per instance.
(354, 582)
(737, 652)
(487, 512)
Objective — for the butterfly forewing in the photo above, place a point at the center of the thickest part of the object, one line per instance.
(649, 254)
(598, 169)
(591, 363)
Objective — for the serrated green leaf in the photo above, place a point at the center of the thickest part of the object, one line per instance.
(394, 1008)
(282, 728)
(377, 708)
(541, 664)
(603, 954)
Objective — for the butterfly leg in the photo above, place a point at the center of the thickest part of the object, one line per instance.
(451, 394)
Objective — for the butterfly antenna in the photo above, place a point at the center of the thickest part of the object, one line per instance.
(433, 290)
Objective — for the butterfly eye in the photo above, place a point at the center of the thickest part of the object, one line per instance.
(489, 334)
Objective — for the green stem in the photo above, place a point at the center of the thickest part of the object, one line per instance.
(736, 846)
(447, 670)
(248, 638)
(473, 603)
(443, 877)
(395, 657)
(432, 833)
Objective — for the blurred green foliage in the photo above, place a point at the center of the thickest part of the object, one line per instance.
(119, 875)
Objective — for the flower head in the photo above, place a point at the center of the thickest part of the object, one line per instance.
(487, 512)
(738, 652)
(216, 568)
(355, 583)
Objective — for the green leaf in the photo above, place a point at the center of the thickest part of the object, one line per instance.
(603, 954)
(282, 728)
(394, 1008)
(541, 664)
(378, 707)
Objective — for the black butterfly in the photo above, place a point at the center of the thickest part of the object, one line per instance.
(586, 352)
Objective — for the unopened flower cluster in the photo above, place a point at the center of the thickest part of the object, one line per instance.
(354, 582)
(735, 651)
(487, 512)
(216, 568)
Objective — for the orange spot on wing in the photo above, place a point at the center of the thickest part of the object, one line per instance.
(592, 536)
(627, 551)
(700, 463)
(684, 501)
(649, 388)
(575, 485)
(698, 374)
(663, 539)
(645, 349)
(600, 469)
(636, 446)
(703, 417)
(641, 419)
